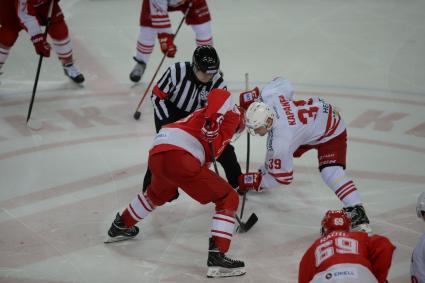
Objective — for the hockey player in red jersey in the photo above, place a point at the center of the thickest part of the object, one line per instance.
(155, 21)
(294, 127)
(341, 255)
(179, 158)
(30, 15)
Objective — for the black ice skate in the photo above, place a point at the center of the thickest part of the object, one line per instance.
(118, 232)
(138, 70)
(221, 266)
(359, 220)
(73, 73)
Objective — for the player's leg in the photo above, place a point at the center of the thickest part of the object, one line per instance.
(144, 49)
(145, 43)
(216, 190)
(230, 165)
(9, 29)
(332, 162)
(203, 33)
(62, 45)
(8, 37)
(159, 191)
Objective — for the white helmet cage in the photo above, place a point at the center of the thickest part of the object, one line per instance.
(420, 205)
(257, 115)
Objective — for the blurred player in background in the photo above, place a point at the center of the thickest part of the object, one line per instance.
(295, 127)
(341, 255)
(180, 158)
(417, 268)
(30, 15)
(155, 22)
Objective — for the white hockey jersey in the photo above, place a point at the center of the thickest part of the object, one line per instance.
(297, 122)
(417, 268)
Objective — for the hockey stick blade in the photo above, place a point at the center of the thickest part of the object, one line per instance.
(245, 227)
(117, 239)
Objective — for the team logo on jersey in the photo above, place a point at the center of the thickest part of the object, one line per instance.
(203, 94)
(349, 273)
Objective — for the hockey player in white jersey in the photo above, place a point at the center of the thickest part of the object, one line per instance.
(417, 268)
(293, 128)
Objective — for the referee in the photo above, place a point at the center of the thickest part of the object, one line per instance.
(184, 88)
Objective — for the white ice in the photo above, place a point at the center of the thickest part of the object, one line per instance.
(62, 185)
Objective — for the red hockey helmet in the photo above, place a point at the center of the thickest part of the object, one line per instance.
(335, 220)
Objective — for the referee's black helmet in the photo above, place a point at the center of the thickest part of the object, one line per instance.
(205, 59)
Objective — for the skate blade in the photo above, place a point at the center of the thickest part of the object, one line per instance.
(117, 239)
(217, 272)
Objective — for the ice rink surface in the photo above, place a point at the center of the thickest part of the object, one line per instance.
(61, 186)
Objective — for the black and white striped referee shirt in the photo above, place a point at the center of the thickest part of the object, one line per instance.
(179, 93)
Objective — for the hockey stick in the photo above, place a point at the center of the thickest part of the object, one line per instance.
(243, 227)
(137, 114)
(248, 145)
(40, 61)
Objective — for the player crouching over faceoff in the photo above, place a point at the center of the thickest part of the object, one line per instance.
(294, 127)
(179, 158)
(341, 255)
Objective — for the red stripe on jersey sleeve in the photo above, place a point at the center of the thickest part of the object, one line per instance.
(159, 93)
(286, 174)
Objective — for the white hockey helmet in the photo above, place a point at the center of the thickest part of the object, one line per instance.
(257, 115)
(420, 205)
(278, 86)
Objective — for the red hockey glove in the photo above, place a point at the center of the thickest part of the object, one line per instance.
(250, 181)
(42, 47)
(167, 44)
(211, 127)
(248, 97)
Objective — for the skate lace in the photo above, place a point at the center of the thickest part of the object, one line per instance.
(231, 260)
(72, 71)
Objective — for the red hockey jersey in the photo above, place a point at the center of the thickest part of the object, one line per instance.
(186, 134)
(338, 247)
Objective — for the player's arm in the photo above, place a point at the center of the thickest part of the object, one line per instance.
(162, 24)
(380, 255)
(28, 20)
(219, 102)
(231, 124)
(161, 92)
(276, 171)
(278, 168)
(27, 17)
(306, 268)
